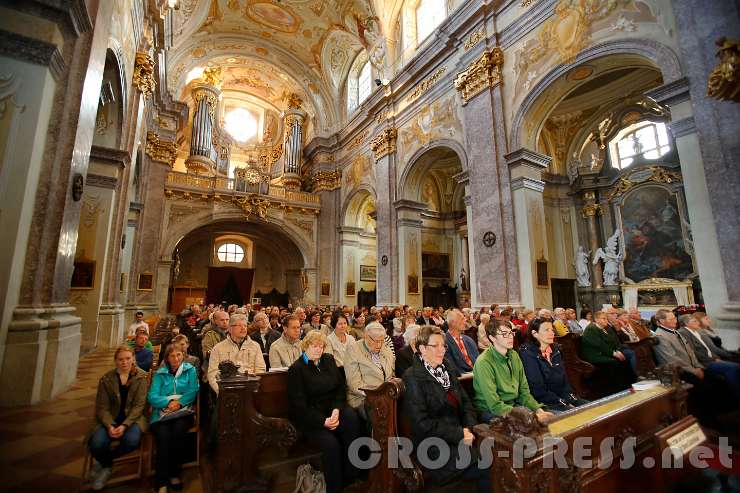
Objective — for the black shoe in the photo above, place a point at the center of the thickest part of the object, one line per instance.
(176, 486)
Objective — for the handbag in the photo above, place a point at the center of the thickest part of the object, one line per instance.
(309, 480)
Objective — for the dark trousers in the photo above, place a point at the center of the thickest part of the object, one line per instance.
(334, 445)
(100, 443)
(169, 437)
(480, 475)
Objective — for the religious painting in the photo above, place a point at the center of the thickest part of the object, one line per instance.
(656, 297)
(368, 273)
(350, 289)
(412, 284)
(83, 275)
(543, 280)
(653, 236)
(325, 288)
(146, 281)
(435, 265)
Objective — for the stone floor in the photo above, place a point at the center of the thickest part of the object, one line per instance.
(42, 446)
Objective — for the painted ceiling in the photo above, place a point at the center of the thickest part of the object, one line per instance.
(268, 47)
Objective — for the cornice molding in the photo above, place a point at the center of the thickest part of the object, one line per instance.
(101, 181)
(683, 127)
(527, 157)
(672, 93)
(107, 155)
(527, 183)
(34, 51)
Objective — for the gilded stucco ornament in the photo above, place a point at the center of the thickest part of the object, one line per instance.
(212, 76)
(293, 101)
(326, 180)
(654, 174)
(483, 73)
(384, 143)
(724, 81)
(163, 151)
(590, 210)
(144, 73)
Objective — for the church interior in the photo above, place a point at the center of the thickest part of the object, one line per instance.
(496, 156)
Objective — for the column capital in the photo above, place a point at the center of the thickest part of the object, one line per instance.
(591, 210)
(529, 158)
(483, 73)
(163, 151)
(384, 143)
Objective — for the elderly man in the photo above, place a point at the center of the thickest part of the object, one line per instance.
(367, 364)
(238, 348)
(601, 347)
(544, 314)
(560, 324)
(640, 326)
(572, 318)
(426, 317)
(284, 351)
(217, 333)
(462, 349)
(264, 335)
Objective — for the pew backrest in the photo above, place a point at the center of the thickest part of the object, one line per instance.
(578, 370)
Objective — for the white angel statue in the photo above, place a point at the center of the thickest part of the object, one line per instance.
(612, 258)
(581, 264)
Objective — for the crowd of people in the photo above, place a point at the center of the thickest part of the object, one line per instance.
(332, 353)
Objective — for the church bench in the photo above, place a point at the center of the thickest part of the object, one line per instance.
(644, 352)
(384, 406)
(579, 371)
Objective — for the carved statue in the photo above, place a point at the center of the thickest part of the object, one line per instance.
(581, 264)
(612, 258)
(228, 369)
(464, 280)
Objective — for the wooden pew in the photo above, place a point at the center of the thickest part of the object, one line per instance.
(648, 417)
(579, 372)
(645, 357)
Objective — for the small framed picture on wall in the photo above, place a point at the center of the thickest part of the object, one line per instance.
(146, 281)
(325, 289)
(412, 286)
(83, 275)
(350, 290)
(543, 279)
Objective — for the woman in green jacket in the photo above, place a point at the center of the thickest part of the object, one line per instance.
(172, 395)
(498, 377)
(119, 413)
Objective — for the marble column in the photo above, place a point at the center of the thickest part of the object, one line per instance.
(327, 244)
(200, 159)
(717, 125)
(293, 147)
(409, 222)
(493, 241)
(43, 337)
(384, 149)
(525, 167)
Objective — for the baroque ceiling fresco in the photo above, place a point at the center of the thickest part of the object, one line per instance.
(267, 48)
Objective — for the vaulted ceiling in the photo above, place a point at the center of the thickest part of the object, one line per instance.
(269, 47)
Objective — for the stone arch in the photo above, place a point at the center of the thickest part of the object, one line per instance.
(175, 234)
(655, 54)
(410, 180)
(354, 205)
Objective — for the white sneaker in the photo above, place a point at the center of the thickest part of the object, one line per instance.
(102, 478)
(95, 470)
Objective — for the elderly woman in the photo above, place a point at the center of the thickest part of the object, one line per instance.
(119, 415)
(172, 394)
(397, 337)
(367, 364)
(437, 406)
(339, 340)
(318, 408)
(314, 323)
(545, 369)
(358, 327)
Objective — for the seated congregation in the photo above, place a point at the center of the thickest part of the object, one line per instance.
(459, 368)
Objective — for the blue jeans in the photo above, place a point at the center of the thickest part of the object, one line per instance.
(731, 373)
(631, 357)
(100, 444)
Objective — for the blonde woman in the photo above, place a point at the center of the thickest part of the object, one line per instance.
(119, 414)
(318, 408)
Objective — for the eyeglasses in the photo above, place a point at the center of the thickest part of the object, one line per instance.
(435, 346)
(505, 333)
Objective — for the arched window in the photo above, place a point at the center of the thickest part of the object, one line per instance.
(645, 140)
(230, 252)
(429, 15)
(359, 81)
(240, 124)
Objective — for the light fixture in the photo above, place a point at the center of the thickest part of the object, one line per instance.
(173, 4)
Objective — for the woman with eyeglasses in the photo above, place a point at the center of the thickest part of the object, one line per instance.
(498, 377)
(437, 406)
(545, 368)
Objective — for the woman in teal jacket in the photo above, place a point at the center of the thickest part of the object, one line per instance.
(172, 395)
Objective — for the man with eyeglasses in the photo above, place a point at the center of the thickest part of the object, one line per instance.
(462, 349)
(499, 380)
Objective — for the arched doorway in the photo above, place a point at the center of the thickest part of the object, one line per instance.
(235, 261)
(359, 250)
(432, 229)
